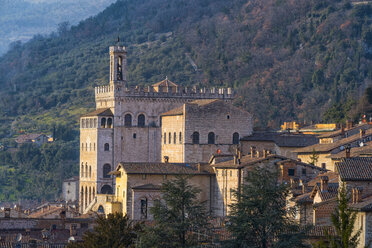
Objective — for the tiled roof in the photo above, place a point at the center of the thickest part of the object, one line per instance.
(331, 146)
(320, 231)
(283, 139)
(304, 198)
(365, 205)
(339, 132)
(247, 160)
(355, 169)
(365, 150)
(100, 112)
(165, 168)
(27, 137)
(331, 192)
(199, 103)
(332, 178)
(164, 83)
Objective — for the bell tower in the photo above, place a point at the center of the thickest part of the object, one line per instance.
(118, 65)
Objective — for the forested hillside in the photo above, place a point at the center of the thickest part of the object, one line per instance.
(286, 59)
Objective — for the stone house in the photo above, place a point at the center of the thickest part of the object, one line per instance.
(34, 138)
(324, 151)
(195, 131)
(279, 143)
(70, 189)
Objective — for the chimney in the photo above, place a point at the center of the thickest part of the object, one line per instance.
(166, 159)
(253, 151)
(361, 133)
(359, 194)
(323, 183)
(347, 152)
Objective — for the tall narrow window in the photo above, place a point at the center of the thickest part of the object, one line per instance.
(86, 169)
(211, 138)
(119, 75)
(83, 123)
(180, 137)
(90, 123)
(82, 146)
(195, 138)
(128, 120)
(106, 170)
(141, 120)
(165, 138)
(90, 171)
(90, 146)
(109, 123)
(82, 170)
(86, 147)
(174, 138)
(103, 123)
(235, 138)
(144, 208)
(170, 138)
(106, 147)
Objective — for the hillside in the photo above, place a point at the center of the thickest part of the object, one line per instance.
(20, 20)
(287, 60)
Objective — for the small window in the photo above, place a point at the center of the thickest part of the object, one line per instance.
(304, 171)
(86, 169)
(90, 171)
(141, 120)
(231, 173)
(291, 172)
(170, 138)
(174, 138)
(82, 170)
(82, 146)
(101, 209)
(107, 147)
(143, 176)
(323, 165)
(228, 117)
(195, 138)
(103, 122)
(235, 138)
(165, 138)
(134, 136)
(109, 123)
(211, 138)
(90, 146)
(180, 138)
(106, 170)
(128, 120)
(143, 208)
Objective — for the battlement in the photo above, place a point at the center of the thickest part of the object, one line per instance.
(166, 92)
(118, 49)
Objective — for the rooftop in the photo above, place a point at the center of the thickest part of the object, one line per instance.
(355, 169)
(27, 137)
(99, 112)
(283, 139)
(196, 103)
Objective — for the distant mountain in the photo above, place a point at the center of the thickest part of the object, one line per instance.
(22, 19)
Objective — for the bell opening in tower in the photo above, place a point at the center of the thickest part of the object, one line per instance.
(119, 75)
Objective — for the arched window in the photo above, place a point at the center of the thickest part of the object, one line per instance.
(103, 123)
(106, 170)
(82, 146)
(90, 171)
(83, 123)
(195, 138)
(86, 169)
(90, 123)
(174, 138)
(106, 189)
(95, 123)
(101, 210)
(86, 147)
(141, 120)
(128, 120)
(90, 194)
(170, 138)
(165, 138)
(211, 138)
(109, 123)
(235, 138)
(180, 137)
(82, 170)
(107, 147)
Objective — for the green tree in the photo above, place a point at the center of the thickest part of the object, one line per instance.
(343, 220)
(260, 217)
(115, 231)
(176, 216)
(314, 158)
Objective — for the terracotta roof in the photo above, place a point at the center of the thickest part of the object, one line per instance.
(365, 150)
(165, 83)
(304, 198)
(364, 206)
(246, 161)
(199, 103)
(339, 132)
(165, 168)
(332, 178)
(28, 137)
(320, 231)
(100, 112)
(331, 146)
(283, 139)
(355, 169)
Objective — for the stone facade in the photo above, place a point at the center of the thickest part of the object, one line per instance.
(127, 122)
(194, 132)
(70, 189)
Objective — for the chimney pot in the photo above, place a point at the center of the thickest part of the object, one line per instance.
(324, 183)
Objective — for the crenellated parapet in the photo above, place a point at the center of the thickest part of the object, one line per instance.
(166, 92)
